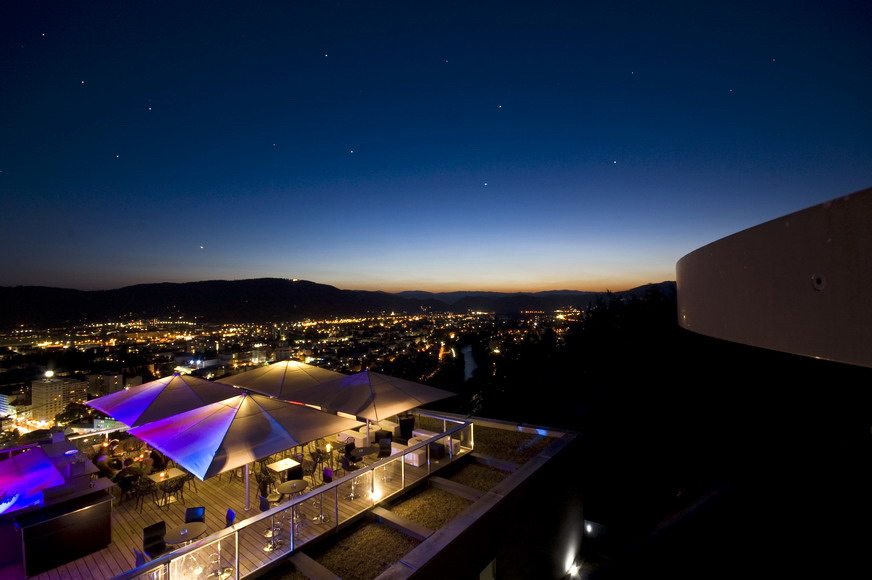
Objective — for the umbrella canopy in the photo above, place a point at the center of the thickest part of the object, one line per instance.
(161, 398)
(282, 379)
(370, 395)
(237, 431)
(23, 476)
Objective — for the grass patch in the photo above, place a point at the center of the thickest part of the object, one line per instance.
(480, 477)
(513, 446)
(432, 508)
(364, 553)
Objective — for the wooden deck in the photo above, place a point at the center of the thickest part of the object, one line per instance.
(218, 495)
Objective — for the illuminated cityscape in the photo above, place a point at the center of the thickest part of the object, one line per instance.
(128, 353)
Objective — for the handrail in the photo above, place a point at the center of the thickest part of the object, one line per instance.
(254, 520)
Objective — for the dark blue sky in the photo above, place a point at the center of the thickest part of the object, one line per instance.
(417, 145)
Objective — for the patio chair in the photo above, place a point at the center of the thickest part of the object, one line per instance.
(144, 487)
(349, 447)
(266, 505)
(126, 486)
(229, 518)
(190, 480)
(153, 542)
(347, 465)
(195, 514)
(172, 488)
(384, 447)
(384, 450)
(407, 425)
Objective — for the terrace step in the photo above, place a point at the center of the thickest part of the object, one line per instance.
(455, 488)
(310, 568)
(404, 525)
(501, 464)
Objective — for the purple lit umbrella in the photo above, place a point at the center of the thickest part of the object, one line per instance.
(161, 398)
(234, 432)
(282, 379)
(24, 476)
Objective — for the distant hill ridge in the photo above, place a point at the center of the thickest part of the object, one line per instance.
(263, 299)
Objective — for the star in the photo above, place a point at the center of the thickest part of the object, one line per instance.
(83, 82)
(149, 108)
(614, 162)
(499, 106)
(352, 150)
(325, 56)
(201, 247)
(485, 183)
(117, 156)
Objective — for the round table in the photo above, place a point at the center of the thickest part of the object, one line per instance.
(185, 533)
(292, 486)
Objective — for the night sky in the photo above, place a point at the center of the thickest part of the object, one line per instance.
(402, 145)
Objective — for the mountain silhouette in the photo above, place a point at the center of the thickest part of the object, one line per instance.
(260, 300)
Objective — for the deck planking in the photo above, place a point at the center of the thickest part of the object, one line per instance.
(218, 494)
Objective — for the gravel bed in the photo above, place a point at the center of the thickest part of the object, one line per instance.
(480, 477)
(432, 508)
(513, 446)
(364, 553)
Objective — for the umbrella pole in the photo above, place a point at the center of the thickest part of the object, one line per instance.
(247, 494)
(367, 432)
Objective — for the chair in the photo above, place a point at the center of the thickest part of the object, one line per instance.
(349, 447)
(153, 542)
(274, 529)
(143, 487)
(347, 465)
(195, 514)
(126, 485)
(229, 518)
(190, 480)
(138, 558)
(384, 450)
(384, 447)
(172, 488)
(407, 425)
(327, 474)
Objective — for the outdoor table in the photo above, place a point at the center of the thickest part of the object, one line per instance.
(185, 533)
(170, 474)
(361, 452)
(282, 466)
(292, 486)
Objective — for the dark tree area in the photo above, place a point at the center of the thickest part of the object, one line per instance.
(745, 443)
(72, 413)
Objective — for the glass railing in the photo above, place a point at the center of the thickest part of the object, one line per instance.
(258, 541)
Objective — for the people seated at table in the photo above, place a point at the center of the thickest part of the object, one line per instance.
(105, 470)
(130, 470)
(115, 449)
(159, 462)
